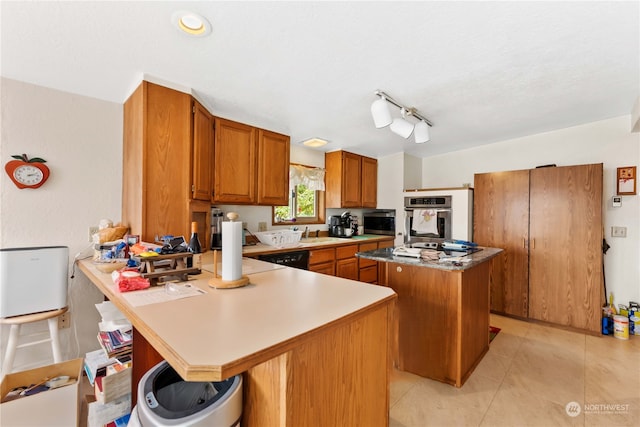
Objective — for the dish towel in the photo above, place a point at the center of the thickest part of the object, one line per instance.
(425, 221)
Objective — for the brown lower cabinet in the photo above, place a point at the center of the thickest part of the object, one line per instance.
(323, 261)
(368, 267)
(341, 261)
(346, 262)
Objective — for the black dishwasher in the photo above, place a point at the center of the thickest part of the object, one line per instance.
(295, 259)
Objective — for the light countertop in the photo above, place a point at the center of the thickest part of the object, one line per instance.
(222, 332)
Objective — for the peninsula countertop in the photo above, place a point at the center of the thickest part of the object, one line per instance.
(223, 332)
(463, 263)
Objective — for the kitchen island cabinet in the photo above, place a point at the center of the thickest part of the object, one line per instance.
(442, 313)
(313, 349)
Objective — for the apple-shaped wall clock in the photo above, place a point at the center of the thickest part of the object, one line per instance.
(27, 173)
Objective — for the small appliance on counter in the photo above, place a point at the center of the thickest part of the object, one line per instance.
(216, 228)
(354, 225)
(340, 225)
(379, 221)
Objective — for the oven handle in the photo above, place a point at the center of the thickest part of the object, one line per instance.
(410, 210)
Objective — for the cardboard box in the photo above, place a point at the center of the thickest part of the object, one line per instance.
(56, 407)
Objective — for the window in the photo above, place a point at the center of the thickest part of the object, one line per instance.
(306, 199)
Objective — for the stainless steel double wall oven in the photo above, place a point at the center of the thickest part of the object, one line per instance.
(427, 219)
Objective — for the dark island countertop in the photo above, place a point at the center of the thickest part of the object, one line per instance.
(445, 263)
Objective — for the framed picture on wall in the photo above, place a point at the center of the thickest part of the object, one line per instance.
(626, 181)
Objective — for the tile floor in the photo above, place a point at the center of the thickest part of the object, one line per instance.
(527, 378)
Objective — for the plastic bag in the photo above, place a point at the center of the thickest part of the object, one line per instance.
(129, 280)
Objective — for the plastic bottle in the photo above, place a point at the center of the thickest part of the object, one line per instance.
(194, 248)
(611, 306)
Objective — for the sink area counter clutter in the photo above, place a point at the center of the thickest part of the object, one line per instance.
(314, 242)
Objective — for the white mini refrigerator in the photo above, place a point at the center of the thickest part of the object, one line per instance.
(33, 280)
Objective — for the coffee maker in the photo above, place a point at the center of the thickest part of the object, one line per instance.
(340, 225)
(216, 228)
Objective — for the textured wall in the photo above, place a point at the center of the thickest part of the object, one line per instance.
(81, 139)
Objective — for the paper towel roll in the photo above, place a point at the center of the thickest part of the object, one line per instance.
(231, 250)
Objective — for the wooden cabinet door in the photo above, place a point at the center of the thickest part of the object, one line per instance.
(273, 168)
(369, 182)
(347, 268)
(369, 274)
(351, 180)
(566, 246)
(166, 159)
(324, 268)
(235, 163)
(501, 220)
(366, 247)
(202, 158)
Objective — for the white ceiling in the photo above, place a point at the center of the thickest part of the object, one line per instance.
(480, 71)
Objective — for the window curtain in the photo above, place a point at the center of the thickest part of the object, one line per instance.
(312, 178)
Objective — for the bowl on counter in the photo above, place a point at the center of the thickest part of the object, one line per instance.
(280, 239)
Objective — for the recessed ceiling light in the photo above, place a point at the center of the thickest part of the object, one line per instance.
(191, 23)
(315, 142)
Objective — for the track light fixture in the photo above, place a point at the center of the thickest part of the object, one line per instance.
(399, 126)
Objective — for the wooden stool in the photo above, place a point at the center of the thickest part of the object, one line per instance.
(17, 321)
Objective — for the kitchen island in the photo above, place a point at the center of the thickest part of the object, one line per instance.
(442, 317)
(313, 349)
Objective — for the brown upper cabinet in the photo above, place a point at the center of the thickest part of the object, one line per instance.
(202, 153)
(273, 168)
(251, 165)
(165, 172)
(351, 180)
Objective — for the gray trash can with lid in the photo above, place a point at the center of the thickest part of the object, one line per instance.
(165, 399)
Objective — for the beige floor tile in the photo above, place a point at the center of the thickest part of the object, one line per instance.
(557, 339)
(510, 325)
(506, 344)
(516, 407)
(401, 383)
(431, 403)
(615, 351)
(544, 372)
(527, 378)
(493, 366)
(606, 413)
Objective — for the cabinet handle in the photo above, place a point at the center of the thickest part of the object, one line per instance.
(533, 243)
(524, 243)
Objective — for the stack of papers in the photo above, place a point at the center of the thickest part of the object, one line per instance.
(404, 251)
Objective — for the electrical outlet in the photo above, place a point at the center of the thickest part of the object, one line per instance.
(618, 231)
(262, 226)
(92, 231)
(64, 320)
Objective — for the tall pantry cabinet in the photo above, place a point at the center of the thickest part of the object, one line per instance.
(549, 222)
(167, 163)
